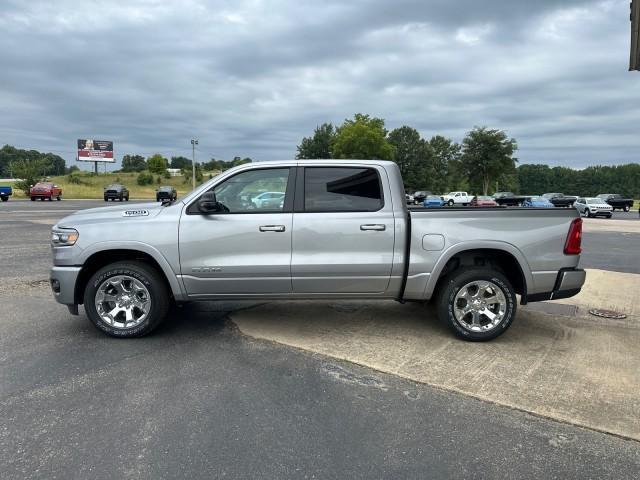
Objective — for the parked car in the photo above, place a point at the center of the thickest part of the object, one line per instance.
(433, 201)
(537, 202)
(166, 193)
(508, 199)
(593, 207)
(5, 192)
(268, 199)
(116, 191)
(409, 199)
(483, 201)
(560, 199)
(457, 198)
(343, 231)
(420, 195)
(44, 190)
(617, 201)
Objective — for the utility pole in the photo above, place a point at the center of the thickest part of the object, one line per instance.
(194, 142)
(634, 60)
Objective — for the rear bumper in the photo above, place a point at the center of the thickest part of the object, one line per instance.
(568, 283)
(63, 284)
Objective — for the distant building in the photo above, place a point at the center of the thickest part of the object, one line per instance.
(174, 172)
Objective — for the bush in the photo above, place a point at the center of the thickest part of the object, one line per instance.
(145, 179)
(158, 180)
(75, 179)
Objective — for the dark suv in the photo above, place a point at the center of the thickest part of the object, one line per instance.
(111, 192)
(166, 193)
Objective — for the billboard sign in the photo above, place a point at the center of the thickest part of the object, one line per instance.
(90, 150)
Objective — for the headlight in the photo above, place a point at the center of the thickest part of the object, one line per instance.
(63, 237)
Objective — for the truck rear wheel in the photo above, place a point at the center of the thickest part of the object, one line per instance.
(476, 304)
(126, 299)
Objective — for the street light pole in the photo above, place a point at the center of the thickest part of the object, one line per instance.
(194, 142)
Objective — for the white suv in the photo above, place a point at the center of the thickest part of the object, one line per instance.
(593, 207)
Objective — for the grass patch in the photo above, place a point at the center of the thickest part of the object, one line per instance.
(84, 185)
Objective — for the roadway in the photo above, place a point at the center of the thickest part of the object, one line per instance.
(199, 399)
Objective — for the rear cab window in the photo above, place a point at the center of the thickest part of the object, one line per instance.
(342, 189)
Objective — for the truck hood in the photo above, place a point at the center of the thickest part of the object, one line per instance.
(136, 212)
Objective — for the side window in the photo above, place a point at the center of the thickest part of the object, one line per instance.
(254, 191)
(342, 189)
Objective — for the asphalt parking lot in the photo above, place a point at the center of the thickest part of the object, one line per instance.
(201, 399)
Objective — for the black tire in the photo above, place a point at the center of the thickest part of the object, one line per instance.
(120, 198)
(4, 199)
(454, 282)
(126, 198)
(33, 199)
(157, 199)
(50, 198)
(106, 199)
(609, 216)
(450, 203)
(626, 208)
(588, 213)
(150, 278)
(58, 198)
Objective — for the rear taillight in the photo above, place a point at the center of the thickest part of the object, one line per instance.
(574, 239)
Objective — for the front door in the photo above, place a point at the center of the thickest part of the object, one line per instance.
(245, 249)
(343, 232)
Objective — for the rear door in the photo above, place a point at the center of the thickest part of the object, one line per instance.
(343, 230)
(245, 250)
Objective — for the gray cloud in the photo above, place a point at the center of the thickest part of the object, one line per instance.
(253, 77)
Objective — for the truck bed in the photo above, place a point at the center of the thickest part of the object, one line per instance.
(536, 238)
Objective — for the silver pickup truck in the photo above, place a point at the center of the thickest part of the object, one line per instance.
(328, 229)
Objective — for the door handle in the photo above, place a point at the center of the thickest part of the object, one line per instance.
(271, 228)
(373, 226)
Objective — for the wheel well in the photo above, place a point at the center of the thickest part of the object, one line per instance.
(503, 261)
(105, 257)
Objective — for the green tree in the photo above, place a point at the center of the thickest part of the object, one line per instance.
(157, 164)
(28, 171)
(133, 163)
(363, 137)
(413, 156)
(534, 179)
(144, 178)
(487, 156)
(180, 162)
(319, 144)
(51, 164)
(447, 171)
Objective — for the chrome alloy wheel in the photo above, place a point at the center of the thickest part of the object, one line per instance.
(122, 301)
(480, 306)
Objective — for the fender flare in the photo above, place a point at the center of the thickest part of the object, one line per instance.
(176, 286)
(525, 270)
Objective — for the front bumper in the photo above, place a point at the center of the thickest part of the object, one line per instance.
(569, 282)
(63, 284)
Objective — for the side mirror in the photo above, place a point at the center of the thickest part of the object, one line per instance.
(209, 204)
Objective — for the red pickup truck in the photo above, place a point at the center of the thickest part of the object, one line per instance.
(44, 190)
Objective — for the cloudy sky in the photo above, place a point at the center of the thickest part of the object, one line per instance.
(251, 78)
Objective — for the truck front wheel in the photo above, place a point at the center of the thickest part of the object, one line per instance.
(126, 299)
(476, 304)
(450, 203)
